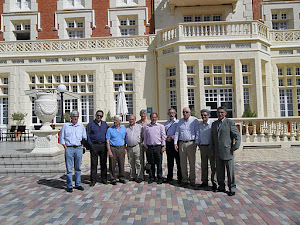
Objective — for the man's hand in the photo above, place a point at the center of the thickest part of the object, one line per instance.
(176, 147)
(110, 154)
(145, 149)
(163, 149)
(125, 151)
(65, 147)
(234, 148)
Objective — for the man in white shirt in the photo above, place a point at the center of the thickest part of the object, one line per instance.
(206, 151)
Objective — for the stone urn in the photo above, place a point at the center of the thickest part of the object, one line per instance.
(46, 108)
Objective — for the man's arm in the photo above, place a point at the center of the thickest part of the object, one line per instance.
(163, 137)
(62, 137)
(108, 144)
(197, 132)
(88, 132)
(235, 134)
(176, 136)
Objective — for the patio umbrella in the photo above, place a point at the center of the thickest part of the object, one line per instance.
(121, 102)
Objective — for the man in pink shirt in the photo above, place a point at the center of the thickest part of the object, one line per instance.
(154, 142)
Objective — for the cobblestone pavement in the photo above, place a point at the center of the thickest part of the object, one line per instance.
(268, 193)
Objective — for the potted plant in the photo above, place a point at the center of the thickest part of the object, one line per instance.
(18, 117)
(108, 117)
(248, 113)
(67, 117)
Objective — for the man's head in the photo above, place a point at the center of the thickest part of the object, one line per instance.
(186, 113)
(117, 120)
(132, 120)
(221, 112)
(143, 114)
(171, 113)
(74, 117)
(153, 117)
(205, 114)
(99, 115)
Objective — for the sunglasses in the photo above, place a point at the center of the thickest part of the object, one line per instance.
(99, 115)
(185, 112)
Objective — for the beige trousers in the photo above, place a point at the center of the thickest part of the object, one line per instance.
(187, 151)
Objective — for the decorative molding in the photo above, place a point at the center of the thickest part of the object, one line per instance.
(85, 59)
(51, 60)
(68, 59)
(286, 52)
(243, 45)
(193, 47)
(168, 50)
(139, 56)
(122, 57)
(17, 61)
(34, 60)
(102, 58)
(218, 46)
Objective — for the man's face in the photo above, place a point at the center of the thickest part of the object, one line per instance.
(221, 113)
(132, 120)
(172, 114)
(186, 113)
(143, 116)
(204, 116)
(116, 121)
(74, 118)
(99, 116)
(153, 118)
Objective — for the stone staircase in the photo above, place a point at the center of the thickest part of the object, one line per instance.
(32, 164)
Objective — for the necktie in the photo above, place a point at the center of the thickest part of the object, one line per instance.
(219, 124)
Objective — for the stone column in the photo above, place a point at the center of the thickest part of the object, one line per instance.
(239, 91)
(258, 87)
(200, 84)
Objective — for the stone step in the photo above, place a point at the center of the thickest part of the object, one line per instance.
(32, 171)
(31, 156)
(30, 163)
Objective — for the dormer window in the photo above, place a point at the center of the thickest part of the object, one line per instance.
(75, 3)
(22, 30)
(23, 4)
(75, 28)
(128, 26)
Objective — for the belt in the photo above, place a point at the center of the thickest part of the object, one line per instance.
(153, 145)
(133, 145)
(98, 143)
(117, 146)
(204, 145)
(73, 146)
(186, 141)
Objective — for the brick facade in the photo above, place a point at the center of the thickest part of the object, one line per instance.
(47, 9)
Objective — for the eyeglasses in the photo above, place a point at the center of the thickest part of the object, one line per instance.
(204, 115)
(185, 112)
(74, 116)
(99, 115)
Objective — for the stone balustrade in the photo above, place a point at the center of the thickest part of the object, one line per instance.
(285, 35)
(210, 29)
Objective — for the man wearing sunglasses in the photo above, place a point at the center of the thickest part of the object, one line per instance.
(96, 133)
(186, 140)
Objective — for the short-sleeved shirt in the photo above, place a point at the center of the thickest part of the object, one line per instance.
(116, 136)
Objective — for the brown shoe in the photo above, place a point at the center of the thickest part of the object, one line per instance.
(92, 183)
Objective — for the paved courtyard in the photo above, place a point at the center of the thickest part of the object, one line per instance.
(268, 193)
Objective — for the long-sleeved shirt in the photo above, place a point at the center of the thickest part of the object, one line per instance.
(116, 136)
(171, 126)
(205, 132)
(95, 132)
(71, 135)
(154, 134)
(133, 135)
(187, 130)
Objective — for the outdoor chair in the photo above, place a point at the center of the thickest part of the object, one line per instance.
(11, 133)
(23, 131)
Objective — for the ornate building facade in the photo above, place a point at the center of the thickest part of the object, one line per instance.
(165, 53)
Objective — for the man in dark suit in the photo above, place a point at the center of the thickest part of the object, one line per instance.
(225, 140)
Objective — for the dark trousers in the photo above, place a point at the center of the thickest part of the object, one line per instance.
(172, 155)
(229, 166)
(154, 157)
(98, 150)
(118, 157)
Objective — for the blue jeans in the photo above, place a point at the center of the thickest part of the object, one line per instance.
(73, 155)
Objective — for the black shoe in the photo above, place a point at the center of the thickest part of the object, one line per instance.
(179, 181)
(203, 185)
(69, 190)
(104, 181)
(221, 190)
(231, 193)
(113, 182)
(159, 182)
(92, 183)
(131, 179)
(214, 188)
(122, 181)
(140, 180)
(80, 188)
(184, 184)
(147, 168)
(150, 181)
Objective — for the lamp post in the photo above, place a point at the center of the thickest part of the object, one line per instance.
(61, 89)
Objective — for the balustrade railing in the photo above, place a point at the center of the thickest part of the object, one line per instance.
(285, 35)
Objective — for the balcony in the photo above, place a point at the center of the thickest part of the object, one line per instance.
(208, 31)
(181, 3)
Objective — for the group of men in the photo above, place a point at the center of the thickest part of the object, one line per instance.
(179, 138)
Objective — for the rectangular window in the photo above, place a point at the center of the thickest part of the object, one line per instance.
(217, 69)
(82, 78)
(128, 76)
(289, 82)
(190, 70)
(71, 25)
(245, 80)
(49, 79)
(197, 18)
(228, 69)
(129, 87)
(66, 78)
(91, 88)
(246, 98)
(33, 79)
(280, 72)
(74, 78)
(5, 91)
(27, 27)
(74, 88)
(297, 71)
(298, 81)
(274, 16)
(123, 22)
(206, 18)
(171, 72)
(206, 69)
(288, 71)
(190, 81)
(280, 82)
(118, 77)
(187, 19)
(82, 88)
(57, 79)
(117, 87)
(41, 79)
(218, 81)
(172, 83)
(229, 80)
(173, 100)
(206, 80)
(91, 78)
(283, 16)
(5, 80)
(191, 98)
(18, 27)
(245, 68)
(216, 18)
(79, 24)
(132, 22)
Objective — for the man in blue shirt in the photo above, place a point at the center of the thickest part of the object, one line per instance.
(172, 154)
(96, 134)
(70, 137)
(115, 141)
